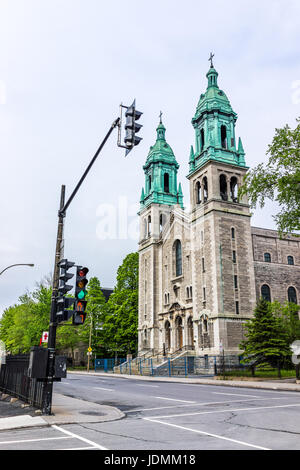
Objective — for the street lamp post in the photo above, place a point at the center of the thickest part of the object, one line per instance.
(18, 264)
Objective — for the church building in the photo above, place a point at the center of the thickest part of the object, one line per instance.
(200, 272)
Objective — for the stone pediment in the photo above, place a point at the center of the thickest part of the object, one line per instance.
(175, 306)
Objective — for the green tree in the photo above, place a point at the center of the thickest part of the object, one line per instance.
(121, 319)
(279, 179)
(96, 308)
(266, 338)
(21, 325)
(289, 315)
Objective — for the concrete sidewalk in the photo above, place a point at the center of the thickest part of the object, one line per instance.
(66, 410)
(272, 384)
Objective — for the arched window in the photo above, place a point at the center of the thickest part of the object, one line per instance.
(166, 183)
(223, 188)
(201, 140)
(290, 260)
(233, 189)
(178, 258)
(149, 225)
(232, 233)
(150, 182)
(162, 221)
(267, 258)
(205, 329)
(292, 296)
(224, 137)
(266, 293)
(198, 192)
(205, 189)
(145, 227)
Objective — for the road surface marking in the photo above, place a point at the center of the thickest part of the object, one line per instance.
(236, 394)
(101, 388)
(229, 410)
(207, 434)
(35, 440)
(69, 433)
(77, 448)
(174, 399)
(205, 404)
(140, 385)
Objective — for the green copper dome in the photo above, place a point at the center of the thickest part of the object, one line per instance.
(213, 98)
(161, 173)
(214, 124)
(161, 150)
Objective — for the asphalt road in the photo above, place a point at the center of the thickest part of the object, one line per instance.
(170, 416)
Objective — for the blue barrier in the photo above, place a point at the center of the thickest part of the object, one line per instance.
(107, 364)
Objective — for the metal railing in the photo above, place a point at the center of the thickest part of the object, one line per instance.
(14, 380)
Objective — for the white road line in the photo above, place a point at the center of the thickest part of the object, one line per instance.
(207, 434)
(154, 386)
(235, 394)
(35, 440)
(205, 404)
(174, 399)
(78, 448)
(229, 410)
(83, 439)
(101, 388)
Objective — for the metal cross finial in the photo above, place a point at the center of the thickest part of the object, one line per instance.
(211, 58)
(160, 115)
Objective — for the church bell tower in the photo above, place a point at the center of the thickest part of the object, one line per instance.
(159, 196)
(223, 280)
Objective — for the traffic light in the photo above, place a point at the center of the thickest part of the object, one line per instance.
(62, 302)
(132, 127)
(80, 295)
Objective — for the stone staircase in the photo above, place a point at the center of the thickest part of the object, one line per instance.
(157, 364)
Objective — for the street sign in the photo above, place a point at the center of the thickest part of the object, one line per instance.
(90, 350)
(45, 336)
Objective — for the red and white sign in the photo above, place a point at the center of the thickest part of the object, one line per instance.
(45, 337)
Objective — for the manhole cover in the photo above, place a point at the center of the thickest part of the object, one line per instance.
(92, 413)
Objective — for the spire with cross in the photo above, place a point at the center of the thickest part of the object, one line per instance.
(211, 59)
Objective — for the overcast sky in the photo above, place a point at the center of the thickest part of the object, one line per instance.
(65, 67)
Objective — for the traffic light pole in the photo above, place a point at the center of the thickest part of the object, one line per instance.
(48, 386)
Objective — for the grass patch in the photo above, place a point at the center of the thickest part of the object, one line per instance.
(261, 373)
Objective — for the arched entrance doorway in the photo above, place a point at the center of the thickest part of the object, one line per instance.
(190, 333)
(167, 336)
(179, 333)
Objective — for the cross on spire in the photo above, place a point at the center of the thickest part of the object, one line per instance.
(211, 58)
(160, 115)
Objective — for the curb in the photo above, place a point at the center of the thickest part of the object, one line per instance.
(288, 387)
(66, 410)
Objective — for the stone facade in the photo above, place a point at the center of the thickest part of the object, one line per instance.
(200, 272)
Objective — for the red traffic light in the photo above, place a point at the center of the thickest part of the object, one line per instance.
(83, 272)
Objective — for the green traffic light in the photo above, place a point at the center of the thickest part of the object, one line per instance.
(81, 295)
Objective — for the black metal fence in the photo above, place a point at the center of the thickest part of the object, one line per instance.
(14, 380)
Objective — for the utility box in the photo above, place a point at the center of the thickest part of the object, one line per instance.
(38, 361)
(60, 367)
